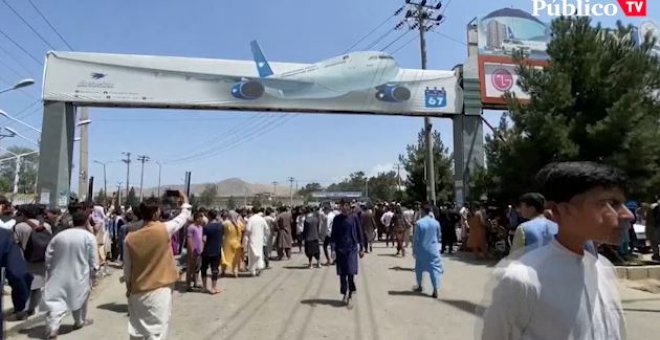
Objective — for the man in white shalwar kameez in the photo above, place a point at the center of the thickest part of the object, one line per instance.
(254, 240)
(561, 291)
(71, 262)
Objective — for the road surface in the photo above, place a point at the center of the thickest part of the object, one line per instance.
(292, 302)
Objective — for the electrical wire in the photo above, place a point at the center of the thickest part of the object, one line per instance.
(448, 37)
(404, 45)
(28, 25)
(214, 141)
(256, 129)
(50, 25)
(375, 29)
(397, 39)
(16, 60)
(383, 36)
(35, 59)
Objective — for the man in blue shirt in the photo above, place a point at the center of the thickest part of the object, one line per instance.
(16, 272)
(538, 230)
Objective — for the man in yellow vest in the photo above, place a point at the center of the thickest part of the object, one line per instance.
(150, 271)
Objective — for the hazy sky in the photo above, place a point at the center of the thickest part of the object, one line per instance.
(320, 148)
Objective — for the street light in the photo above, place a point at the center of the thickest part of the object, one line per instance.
(6, 115)
(84, 122)
(20, 84)
(18, 166)
(105, 181)
(14, 133)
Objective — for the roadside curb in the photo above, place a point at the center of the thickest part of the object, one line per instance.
(638, 273)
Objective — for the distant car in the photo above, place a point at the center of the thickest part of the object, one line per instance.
(640, 232)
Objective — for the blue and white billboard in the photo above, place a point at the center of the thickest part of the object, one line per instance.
(365, 82)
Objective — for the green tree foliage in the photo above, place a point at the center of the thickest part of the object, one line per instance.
(596, 100)
(132, 199)
(231, 203)
(310, 188)
(413, 162)
(207, 197)
(356, 181)
(383, 186)
(100, 197)
(27, 172)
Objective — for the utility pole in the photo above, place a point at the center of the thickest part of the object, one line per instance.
(84, 154)
(160, 165)
(119, 193)
(128, 170)
(291, 180)
(17, 172)
(274, 189)
(425, 17)
(142, 159)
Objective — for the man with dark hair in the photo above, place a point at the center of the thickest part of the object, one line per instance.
(310, 236)
(7, 220)
(561, 291)
(71, 263)
(269, 238)
(426, 249)
(213, 235)
(284, 241)
(538, 230)
(16, 273)
(33, 236)
(369, 228)
(150, 271)
(346, 242)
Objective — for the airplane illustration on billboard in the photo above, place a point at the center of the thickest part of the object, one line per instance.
(334, 77)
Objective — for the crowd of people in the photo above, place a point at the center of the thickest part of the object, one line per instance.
(54, 258)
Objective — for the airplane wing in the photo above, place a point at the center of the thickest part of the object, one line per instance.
(271, 82)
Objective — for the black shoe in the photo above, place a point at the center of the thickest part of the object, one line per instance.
(371, 249)
(435, 294)
(344, 299)
(418, 289)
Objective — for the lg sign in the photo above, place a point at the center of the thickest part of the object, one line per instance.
(502, 80)
(596, 8)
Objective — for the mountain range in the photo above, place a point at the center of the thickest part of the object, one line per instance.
(229, 187)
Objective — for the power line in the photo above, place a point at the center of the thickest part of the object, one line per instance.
(404, 45)
(375, 42)
(16, 60)
(28, 25)
(35, 59)
(395, 40)
(448, 37)
(49, 24)
(397, 12)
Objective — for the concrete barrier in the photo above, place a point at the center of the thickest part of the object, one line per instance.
(638, 273)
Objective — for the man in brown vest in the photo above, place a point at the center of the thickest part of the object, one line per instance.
(150, 271)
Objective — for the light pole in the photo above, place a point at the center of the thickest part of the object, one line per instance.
(14, 133)
(105, 181)
(83, 148)
(160, 165)
(20, 84)
(6, 115)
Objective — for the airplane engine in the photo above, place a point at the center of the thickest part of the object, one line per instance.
(393, 93)
(247, 90)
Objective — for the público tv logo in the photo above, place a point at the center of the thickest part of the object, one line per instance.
(595, 8)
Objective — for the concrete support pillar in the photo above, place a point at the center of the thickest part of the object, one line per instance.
(56, 153)
(468, 152)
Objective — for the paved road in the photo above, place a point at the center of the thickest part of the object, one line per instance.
(289, 302)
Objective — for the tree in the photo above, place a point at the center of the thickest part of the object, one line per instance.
(596, 100)
(307, 191)
(231, 203)
(100, 197)
(27, 172)
(132, 199)
(383, 186)
(207, 197)
(414, 163)
(356, 181)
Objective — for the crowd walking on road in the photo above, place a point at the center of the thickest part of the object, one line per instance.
(53, 259)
